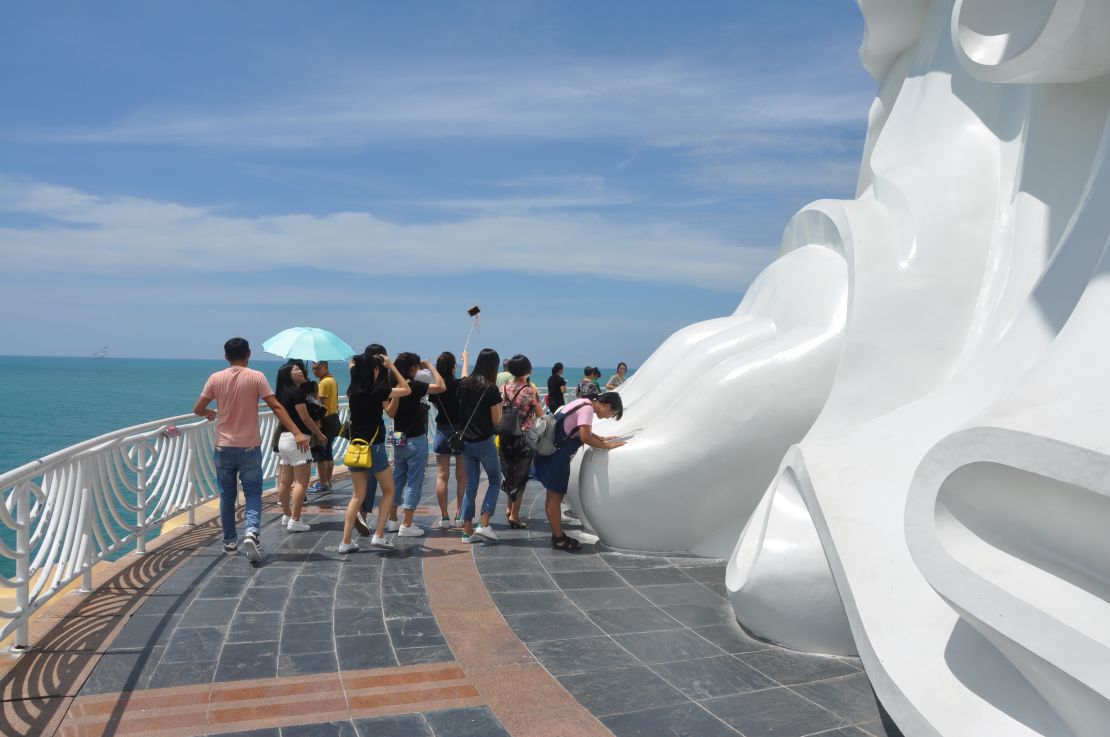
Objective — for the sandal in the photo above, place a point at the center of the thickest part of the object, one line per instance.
(566, 543)
(516, 525)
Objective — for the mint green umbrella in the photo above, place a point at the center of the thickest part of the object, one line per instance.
(309, 344)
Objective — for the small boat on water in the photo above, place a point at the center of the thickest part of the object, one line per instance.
(102, 353)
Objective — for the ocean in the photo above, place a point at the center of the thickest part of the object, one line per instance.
(63, 401)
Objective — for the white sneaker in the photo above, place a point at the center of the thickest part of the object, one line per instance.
(471, 538)
(295, 525)
(284, 520)
(392, 525)
(252, 547)
(485, 532)
(381, 542)
(442, 524)
(409, 531)
(350, 547)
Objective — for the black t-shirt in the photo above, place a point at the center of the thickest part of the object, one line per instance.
(555, 386)
(412, 414)
(290, 397)
(447, 406)
(366, 413)
(478, 401)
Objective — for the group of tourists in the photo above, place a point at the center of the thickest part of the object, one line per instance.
(481, 420)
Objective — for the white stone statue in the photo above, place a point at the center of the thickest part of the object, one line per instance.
(909, 413)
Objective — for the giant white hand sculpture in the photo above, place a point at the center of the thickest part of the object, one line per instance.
(946, 514)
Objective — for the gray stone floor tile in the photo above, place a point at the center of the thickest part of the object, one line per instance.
(525, 563)
(323, 729)
(850, 697)
(404, 606)
(245, 660)
(208, 613)
(623, 597)
(529, 602)
(845, 732)
(255, 627)
(400, 725)
(364, 651)
(684, 720)
(273, 577)
(194, 644)
(402, 584)
(510, 582)
(706, 574)
(420, 655)
(415, 632)
(122, 671)
(732, 639)
(366, 621)
(404, 565)
(308, 609)
(587, 580)
(774, 712)
(474, 721)
(552, 626)
(160, 604)
(307, 663)
(562, 657)
(653, 576)
(626, 621)
(358, 594)
(607, 692)
(679, 593)
(717, 588)
(143, 632)
(167, 675)
(291, 631)
(707, 678)
(630, 560)
(668, 646)
(564, 563)
(272, 732)
(699, 615)
(307, 645)
(791, 668)
(884, 727)
(224, 587)
(308, 585)
(264, 599)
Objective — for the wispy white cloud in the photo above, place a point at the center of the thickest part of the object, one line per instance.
(669, 103)
(86, 233)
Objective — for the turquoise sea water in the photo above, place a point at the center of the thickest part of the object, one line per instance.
(58, 402)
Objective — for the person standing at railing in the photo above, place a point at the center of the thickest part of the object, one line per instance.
(367, 397)
(618, 378)
(555, 385)
(410, 438)
(295, 464)
(238, 452)
(328, 392)
(447, 423)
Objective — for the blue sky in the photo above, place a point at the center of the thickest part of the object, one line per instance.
(594, 175)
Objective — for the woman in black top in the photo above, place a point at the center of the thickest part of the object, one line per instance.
(555, 385)
(447, 422)
(295, 464)
(410, 439)
(367, 397)
(480, 411)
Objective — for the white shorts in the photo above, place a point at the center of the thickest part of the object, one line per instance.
(288, 452)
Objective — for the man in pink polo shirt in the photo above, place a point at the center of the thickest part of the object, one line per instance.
(238, 454)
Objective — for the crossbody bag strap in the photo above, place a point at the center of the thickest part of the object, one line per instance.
(472, 413)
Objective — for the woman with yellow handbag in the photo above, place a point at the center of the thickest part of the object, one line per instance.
(367, 397)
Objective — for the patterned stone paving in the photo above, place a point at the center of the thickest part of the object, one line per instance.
(433, 638)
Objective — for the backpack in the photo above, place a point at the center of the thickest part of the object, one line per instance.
(511, 422)
(540, 437)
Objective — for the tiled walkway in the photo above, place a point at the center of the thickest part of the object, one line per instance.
(434, 638)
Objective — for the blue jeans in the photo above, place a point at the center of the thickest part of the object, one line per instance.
(409, 462)
(235, 466)
(482, 454)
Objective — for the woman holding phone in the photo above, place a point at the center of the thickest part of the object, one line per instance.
(480, 411)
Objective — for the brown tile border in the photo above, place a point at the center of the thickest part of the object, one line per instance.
(520, 692)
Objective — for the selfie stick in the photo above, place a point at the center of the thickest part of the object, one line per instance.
(473, 312)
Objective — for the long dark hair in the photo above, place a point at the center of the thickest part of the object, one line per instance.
(446, 365)
(485, 370)
(407, 363)
(284, 378)
(362, 375)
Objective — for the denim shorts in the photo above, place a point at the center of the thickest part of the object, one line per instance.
(440, 447)
(378, 459)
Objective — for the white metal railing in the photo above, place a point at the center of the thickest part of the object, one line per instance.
(66, 511)
(73, 508)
